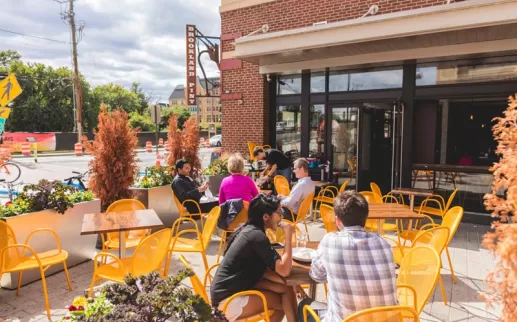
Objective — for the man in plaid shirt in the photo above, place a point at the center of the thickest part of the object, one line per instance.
(357, 265)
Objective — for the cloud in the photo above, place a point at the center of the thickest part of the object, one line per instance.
(124, 41)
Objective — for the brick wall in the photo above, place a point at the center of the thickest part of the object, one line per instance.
(247, 120)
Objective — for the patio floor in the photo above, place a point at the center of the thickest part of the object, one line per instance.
(471, 264)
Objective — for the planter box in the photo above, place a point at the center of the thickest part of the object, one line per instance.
(160, 200)
(68, 227)
(214, 182)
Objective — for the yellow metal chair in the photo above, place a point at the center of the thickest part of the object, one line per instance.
(241, 218)
(16, 258)
(327, 195)
(420, 269)
(385, 314)
(384, 198)
(133, 237)
(303, 211)
(307, 310)
(372, 224)
(282, 185)
(329, 218)
(451, 220)
(184, 212)
(438, 201)
(435, 237)
(147, 257)
(189, 245)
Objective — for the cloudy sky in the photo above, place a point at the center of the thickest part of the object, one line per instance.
(124, 41)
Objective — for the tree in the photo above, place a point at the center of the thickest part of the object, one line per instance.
(190, 143)
(142, 98)
(142, 122)
(503, 241)
(113, 150)
(174, 141)
(181, 112)
(114, 96)
(8, 57)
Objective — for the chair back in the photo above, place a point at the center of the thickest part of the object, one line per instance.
(385, 314)
(420, 269)
(7, 238)
(343, 187)
(209, 226)
(436, 237)
(452, 220)
(151, 252)
(371, 197)
(449, 201)
(241, 217)
(251, 147)
(305, 207)
(178, 204)
(126, 205)
(329, 218)
(282, 185)
(375, 189)
(198, 286)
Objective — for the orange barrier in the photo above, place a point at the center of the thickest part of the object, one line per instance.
(148, 146)
(160, 142)
(78, 148)
(26, 148)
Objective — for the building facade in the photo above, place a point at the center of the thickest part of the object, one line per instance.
(401, 93)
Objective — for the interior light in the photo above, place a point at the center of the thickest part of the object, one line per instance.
(482, 125)
(471, 117)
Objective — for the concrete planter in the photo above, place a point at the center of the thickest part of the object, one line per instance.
(160, 200)
(214, 182)
(68, 227)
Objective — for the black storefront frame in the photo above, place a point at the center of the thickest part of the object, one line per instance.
(407, 95)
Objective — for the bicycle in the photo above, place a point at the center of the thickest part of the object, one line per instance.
(10, 189)
(79, 178)
(9, 171)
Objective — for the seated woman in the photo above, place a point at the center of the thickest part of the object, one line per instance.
(237, 186)
(250, 263)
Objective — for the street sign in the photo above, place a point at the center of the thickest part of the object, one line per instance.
(156, 113)
(9, 90)
(2, 124)
(4, 112)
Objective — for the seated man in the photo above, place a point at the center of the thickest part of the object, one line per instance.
(185, 188)
(357, 265)
(277, 163)
(250, 263)
(300, 191)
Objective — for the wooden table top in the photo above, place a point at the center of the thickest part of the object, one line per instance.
(300, 271)
(413, 191)
(391, 211)
(110, 222)
(452, 168)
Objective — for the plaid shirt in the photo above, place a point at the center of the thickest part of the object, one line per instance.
(359, 269)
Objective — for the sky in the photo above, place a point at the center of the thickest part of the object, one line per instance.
(123, 41)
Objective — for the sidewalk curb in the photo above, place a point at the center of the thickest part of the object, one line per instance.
(64, 154)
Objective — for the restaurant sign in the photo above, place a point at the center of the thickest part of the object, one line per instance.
(191, 65)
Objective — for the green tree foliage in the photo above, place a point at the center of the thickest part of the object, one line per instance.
(142, 98)
(8, 57)
(181, 112)
(143, 122)
(114, 95)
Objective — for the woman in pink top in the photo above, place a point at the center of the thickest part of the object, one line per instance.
(237, 186)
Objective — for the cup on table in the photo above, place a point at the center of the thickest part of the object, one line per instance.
(301, 239)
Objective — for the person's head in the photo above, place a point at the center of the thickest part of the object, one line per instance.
(301, 168)
(265, 212)
(183, 167)
(259, 154)
(236, 164)
(351, 209)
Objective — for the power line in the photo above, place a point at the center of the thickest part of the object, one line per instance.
(31, 36)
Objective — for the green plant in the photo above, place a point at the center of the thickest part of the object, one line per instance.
(156, 177)
(81, 196)
(218, 167)
(148, 298)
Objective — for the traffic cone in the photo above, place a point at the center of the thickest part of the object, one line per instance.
(36, 152)
(158, 159)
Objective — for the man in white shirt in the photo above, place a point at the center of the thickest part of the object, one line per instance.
(303, 188)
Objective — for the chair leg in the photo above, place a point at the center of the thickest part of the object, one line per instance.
(444, 296)
(67, 277)
(450, 264)
(205, 261)
(45, 292)
(92, 284)
(19, 283)
(222, 244)
(168, 261)
(307, 231)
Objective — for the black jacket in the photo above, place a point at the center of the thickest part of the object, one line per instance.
(229, 211)
(185, 188)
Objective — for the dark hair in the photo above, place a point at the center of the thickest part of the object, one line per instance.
(257, 151)
(351, 208)
(302, 163)
(180, 163)
(259, 206)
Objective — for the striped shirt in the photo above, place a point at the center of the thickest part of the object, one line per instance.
(359, 269)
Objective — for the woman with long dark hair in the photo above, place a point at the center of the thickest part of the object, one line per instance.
(250, 263)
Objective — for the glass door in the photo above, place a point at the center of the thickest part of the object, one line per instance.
(343, 148)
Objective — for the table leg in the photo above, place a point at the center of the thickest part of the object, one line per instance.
(312, 291)
(379, 227)
(122, 245)
(411, 202)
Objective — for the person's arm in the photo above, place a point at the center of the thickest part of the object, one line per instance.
(185, 191)
(272, 171)
(294, 197)
(262, 248)
(253, 188)
(222, 197)
(318, 272)
(283, 266)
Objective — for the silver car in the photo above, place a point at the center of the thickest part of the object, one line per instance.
(216, 140)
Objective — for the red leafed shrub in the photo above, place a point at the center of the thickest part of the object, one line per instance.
(113, 150)
(502, 282)
(174, 141)
(190, 145)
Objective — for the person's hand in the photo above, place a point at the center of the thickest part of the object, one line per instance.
(288, 229)
(300, 293)
(280, 196)
(203, 188)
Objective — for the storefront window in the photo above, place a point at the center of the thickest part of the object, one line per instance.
(317, 126)
(289, 84)
(467, 71)
(288, 127)
(318, 82)
(361, 81)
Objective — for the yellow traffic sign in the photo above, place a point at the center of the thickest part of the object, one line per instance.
(4, 112)
(9, 90)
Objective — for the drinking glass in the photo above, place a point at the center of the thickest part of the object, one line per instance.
(301, 239)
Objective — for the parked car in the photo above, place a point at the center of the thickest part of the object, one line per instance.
(280, 127)
(216, 140)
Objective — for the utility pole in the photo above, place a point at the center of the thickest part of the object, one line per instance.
(77, 84)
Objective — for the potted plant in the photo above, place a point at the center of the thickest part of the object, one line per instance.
(154, 190)
(50, 204)
(216, 172)
(146, 298)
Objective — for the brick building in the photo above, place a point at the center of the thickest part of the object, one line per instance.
(388, 91)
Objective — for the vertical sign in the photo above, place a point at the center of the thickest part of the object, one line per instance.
(191, 65)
